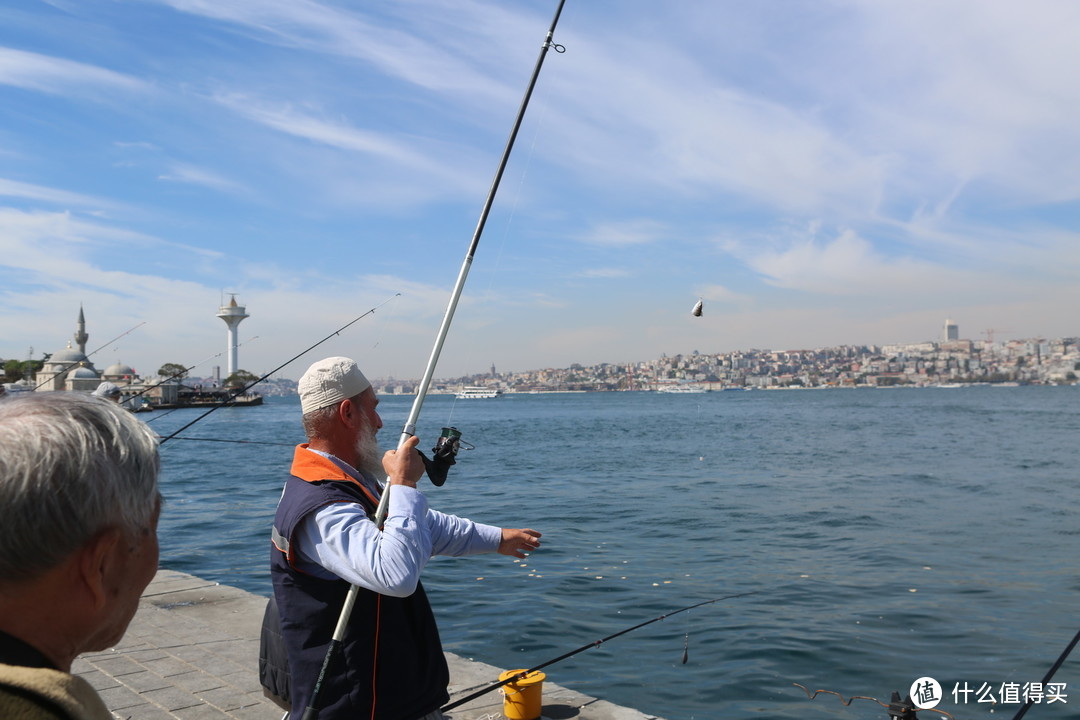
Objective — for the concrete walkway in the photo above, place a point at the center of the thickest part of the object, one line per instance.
(192, 653)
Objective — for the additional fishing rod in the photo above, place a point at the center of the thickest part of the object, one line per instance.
(583, 648)
(312, 712)
(240, 442)
(1027, 706)
(100, 348)
(250, 385)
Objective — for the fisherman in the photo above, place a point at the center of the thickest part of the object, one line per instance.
(108, 390)
(324, 539)
(78, 544)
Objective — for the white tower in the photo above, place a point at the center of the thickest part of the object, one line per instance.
(232, 314)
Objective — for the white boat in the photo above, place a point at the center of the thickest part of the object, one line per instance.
(478, 392)
(681, 388)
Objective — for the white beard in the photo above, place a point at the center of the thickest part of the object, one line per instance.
(370, 454)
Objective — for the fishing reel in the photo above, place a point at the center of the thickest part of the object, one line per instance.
(444, 454)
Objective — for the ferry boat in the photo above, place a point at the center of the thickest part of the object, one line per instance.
(472, 392)
(681, 389)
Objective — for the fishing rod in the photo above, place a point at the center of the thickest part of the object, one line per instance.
(100, 348)
(1068, 649)
(241, 391)
(409, 430)
(583, 648)
(239, 442)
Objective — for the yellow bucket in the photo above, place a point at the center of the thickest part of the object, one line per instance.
(522, 697)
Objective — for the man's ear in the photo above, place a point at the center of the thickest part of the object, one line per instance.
(347, 412)
(95, 564)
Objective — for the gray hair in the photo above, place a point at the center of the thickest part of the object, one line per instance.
(71, 465)
(316, 422)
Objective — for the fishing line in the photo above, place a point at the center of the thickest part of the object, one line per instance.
(583, 648)
(896, 708)
(686, 641)
(294, 357)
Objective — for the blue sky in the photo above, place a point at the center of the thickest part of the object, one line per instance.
(820, 172)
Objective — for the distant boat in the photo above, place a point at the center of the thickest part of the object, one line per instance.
(681, 389)
(478, 392)
(189, 398)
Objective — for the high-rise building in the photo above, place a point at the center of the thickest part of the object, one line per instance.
(232, 314)
(951, 332)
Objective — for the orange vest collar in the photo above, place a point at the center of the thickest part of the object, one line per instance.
(310, 466)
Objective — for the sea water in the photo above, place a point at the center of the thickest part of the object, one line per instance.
(888, 535)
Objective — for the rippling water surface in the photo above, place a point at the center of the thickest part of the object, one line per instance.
(888, 534)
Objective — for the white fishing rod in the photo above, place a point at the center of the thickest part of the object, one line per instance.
(409, 430)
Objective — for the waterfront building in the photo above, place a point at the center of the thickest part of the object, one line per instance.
(70, 368)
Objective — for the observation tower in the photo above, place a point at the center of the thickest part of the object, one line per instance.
(232, 314)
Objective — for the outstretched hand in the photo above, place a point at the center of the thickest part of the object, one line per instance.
(518, 542)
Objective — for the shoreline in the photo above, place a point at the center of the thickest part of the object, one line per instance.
(191, 652)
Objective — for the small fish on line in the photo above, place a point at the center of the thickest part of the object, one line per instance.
(686, 649)
(696, 312)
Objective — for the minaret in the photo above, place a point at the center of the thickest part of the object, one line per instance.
(80, 333)
(232, 314)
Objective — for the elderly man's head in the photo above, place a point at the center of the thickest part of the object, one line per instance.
(78, 485)
(338, 406)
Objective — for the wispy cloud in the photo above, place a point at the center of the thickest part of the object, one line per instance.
(433, 162)
(29, 191)
(59, 76)
(624, 233)
(190, 174)
(604, 273)
(400, 53)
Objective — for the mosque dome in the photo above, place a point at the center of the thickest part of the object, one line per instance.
(119, 370)
(83, 373)
(67, 355)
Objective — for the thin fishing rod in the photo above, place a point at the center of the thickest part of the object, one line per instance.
(583, 648)
(100, 348)
(440, 338)
(250, 385)
(240, 442)
(311, 712)
(1049, 675)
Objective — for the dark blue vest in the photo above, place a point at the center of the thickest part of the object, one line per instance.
(391, 666)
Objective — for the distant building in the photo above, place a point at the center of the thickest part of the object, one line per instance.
(951, 331)
(70, 368)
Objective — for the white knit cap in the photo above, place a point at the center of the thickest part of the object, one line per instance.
(330, 381)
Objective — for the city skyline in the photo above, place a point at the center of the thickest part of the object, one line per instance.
(807, 175)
